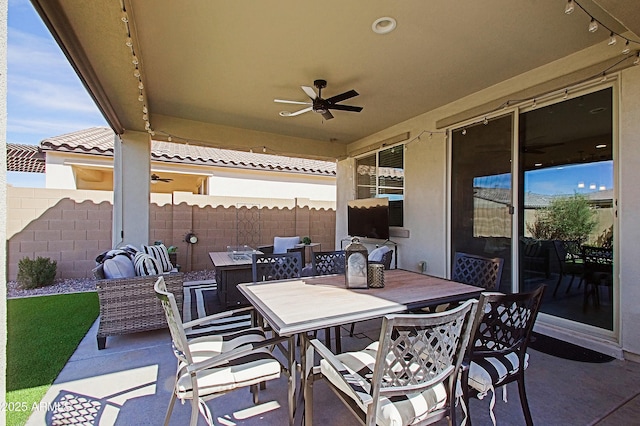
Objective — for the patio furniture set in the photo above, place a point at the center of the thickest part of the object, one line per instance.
(410, 375)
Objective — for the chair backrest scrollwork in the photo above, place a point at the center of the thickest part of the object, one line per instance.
(270, 267)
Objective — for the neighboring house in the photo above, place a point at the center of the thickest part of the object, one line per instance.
(84, 160)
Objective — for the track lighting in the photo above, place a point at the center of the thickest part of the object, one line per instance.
(637, 60)
(593, 25)
(627, 48)
(612, 39)
(569, 7)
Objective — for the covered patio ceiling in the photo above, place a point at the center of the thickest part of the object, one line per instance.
(209, 71)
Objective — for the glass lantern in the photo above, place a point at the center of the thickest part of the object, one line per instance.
(356, 264)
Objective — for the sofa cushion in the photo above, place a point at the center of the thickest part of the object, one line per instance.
(146, 265)
(118, 267)
(281, 244)
(159, 252)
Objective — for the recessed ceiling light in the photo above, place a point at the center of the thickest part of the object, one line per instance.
(601, 146)
(383, 25)
(284, 113)
(538, 164)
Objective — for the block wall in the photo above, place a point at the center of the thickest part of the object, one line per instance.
(72, 227)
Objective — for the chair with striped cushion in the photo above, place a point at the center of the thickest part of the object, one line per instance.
(406, 378)
(497, 352)
(213, 365)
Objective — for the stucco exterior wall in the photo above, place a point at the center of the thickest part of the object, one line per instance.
(426, 179)
(628, 235)
(72, 226)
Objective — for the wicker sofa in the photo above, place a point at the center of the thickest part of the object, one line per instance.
(129, 305)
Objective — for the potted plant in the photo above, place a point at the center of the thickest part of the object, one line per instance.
(306, 241)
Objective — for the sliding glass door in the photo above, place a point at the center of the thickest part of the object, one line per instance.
(567, 187)
(481, 192)
(558, 187)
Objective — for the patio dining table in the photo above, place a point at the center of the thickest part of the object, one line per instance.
(299, 306)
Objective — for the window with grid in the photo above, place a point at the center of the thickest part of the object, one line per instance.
(382, 175)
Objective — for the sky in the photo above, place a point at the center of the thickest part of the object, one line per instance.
(45, 97)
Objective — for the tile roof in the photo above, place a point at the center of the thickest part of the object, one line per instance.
(99, 141)
(25, 158)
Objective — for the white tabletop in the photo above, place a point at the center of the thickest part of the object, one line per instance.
(300, 305)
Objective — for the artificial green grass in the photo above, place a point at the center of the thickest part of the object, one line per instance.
(42, 334)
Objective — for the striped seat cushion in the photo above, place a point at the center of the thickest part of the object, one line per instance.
(490, 372)
(254, 368)
(398, 410)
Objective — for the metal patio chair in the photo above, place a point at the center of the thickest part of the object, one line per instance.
(211, 366)
(477, 270)
(270, 267)
(497, 352)
(409, 376)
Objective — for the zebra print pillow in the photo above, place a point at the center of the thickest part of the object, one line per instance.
(160, 254)
(146, 265)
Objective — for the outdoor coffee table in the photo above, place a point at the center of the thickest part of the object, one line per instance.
(299, 306)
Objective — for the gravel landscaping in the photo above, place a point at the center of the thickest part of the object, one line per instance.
(68, 285)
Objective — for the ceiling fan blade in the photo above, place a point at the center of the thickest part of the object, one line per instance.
(283, 101)
(345, 108)
(327, 115)
(302, 111)
(343, 96)
(309, 91)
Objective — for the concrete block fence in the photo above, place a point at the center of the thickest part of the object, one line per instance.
(73, 226)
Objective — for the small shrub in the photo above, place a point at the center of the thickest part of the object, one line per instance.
(36, 273)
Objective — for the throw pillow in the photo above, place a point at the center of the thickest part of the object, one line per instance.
(146, 265)
(376, 255)
(118, 267)
(159, 252)
(281, 244)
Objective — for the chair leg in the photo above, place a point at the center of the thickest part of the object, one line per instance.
(172, 402)
(254, 392)
(338, 340)
(464, 380)
(524, 402)
(353, 326)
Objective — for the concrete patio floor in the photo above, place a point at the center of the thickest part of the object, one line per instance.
(130, 382)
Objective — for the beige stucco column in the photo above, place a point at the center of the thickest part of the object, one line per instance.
(131, 187)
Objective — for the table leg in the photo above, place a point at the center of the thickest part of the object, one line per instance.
(293, 368)
(306, 361)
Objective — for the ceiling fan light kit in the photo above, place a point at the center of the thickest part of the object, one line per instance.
(320, 105)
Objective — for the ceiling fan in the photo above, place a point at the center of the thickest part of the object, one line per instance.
(155, 178)
(320, 105)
